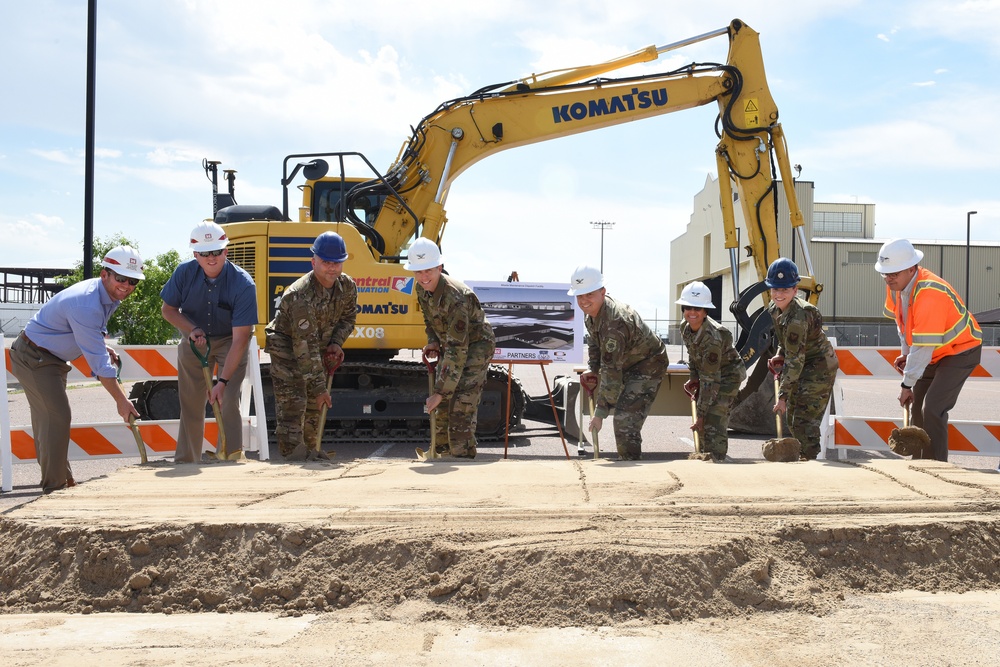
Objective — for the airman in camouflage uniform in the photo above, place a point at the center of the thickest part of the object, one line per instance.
(315, 316)
(717, 371)
(806, 359)
(627, 361)
(459, 335)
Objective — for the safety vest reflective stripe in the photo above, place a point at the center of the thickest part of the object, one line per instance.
(938, 305)
(104, 440)
(966, 437)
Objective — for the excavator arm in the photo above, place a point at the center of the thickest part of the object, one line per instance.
(460, 132)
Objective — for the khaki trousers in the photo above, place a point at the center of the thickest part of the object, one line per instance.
(936, 393)
(43, 377)
(193, 397)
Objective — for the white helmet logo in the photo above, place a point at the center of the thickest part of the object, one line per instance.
(883, 259)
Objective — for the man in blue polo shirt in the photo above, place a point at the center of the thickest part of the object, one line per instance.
(208, 298)
(71, 324)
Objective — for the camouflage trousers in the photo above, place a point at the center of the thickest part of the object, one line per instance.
(715, 431)
(456, 418)
(296, 414)
(639, 386)
(806, 404)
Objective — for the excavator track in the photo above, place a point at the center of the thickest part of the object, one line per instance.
(373, 402)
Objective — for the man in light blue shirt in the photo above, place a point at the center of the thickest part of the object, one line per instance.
(71, 324)
(208, 298)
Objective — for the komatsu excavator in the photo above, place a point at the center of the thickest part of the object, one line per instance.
(380, 214)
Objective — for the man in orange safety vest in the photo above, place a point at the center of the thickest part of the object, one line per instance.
(941, 342)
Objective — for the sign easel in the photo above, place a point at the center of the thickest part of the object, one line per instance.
(541, 363)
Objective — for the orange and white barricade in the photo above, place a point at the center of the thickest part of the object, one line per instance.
(114, 439)
(844, 432)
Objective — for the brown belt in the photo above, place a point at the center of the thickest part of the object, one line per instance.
(27, 340)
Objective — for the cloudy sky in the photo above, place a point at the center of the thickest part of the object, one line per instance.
(884, 102)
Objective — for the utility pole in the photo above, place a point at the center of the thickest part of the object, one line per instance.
(968, 254)
(602, 225)
(88, 175)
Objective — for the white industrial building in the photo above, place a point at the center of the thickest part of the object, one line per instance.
(843, 248)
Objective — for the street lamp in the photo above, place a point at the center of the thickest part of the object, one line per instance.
(602, 225)
(968, 247)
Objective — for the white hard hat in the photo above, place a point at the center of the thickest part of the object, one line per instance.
(585, 279)
(125, 261)
(208, 236)
(423, 254)
(896, 255)
(696, 295)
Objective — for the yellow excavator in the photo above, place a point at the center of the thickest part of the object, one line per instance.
(380, 214)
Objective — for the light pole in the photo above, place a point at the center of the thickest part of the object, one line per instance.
(968, 253)
(602, 225)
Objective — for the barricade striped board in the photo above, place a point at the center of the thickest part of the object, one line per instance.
(139, 362)
(964, 437)
(876, 362)
(115, 440)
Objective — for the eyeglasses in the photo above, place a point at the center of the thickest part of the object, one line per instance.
(212, 253)
(123, 279)
(891, 276)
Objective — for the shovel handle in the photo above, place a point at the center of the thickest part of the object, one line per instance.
(207, 375)
(593, 432)
(140, 445)
(208, 351)
(694, 420)
(906, 415)
(777, 414)
(431, 367)
(322, 413)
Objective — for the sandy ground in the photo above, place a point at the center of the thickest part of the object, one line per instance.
(376, 559)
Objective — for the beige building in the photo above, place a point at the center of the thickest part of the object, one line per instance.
(842, 246)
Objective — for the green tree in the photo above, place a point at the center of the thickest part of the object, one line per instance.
(138, 320)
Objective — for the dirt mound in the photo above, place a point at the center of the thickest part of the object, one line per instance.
(490, 578)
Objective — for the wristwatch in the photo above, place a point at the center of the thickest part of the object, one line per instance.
(224, 381)
(905, 386)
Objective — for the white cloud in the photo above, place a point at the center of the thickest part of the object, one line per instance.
(35, 239)
(59, 156)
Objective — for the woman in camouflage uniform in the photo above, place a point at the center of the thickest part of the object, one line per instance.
(805, 358)
(459, 334)
(717, 371)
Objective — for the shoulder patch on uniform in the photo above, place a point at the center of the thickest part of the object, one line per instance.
(611, 345)
(793, 337)
(303, 324)
(713, 358)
